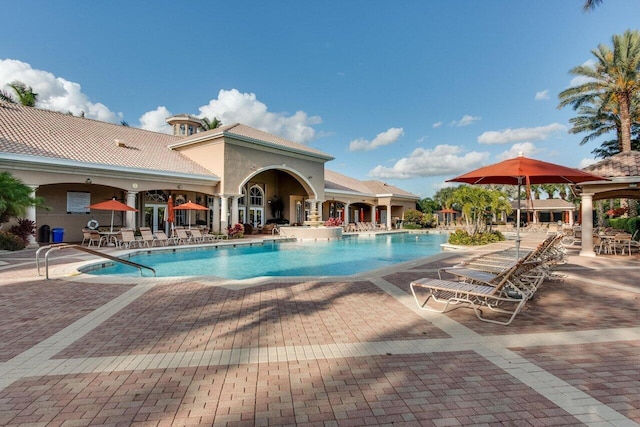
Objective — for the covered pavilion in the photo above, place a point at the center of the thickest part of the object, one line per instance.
(623, 172)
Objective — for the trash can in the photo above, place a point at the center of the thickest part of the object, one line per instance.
(57, 235)
(44, 234)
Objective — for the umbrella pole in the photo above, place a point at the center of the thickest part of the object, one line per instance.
(518, 221)
(112, 221)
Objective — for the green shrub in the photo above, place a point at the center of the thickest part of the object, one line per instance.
(629, 225)
(411, 226)
(461, 237)
(11, 242)
(23, 229)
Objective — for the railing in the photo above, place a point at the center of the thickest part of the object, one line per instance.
(55, 247)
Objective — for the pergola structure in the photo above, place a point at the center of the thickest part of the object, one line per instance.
(623, 171)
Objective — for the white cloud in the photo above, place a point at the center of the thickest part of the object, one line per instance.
(232, 106)
(586, 162)
(526, 148)
(54, 93)
(155, 120)
(385, 138)
(437, 125)
(521, 134)
(442, 160)
(542, 95)
(580, 80)
(466, 120)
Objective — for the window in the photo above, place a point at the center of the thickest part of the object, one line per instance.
(255, 196)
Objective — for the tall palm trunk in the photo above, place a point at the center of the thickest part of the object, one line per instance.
(625, 122)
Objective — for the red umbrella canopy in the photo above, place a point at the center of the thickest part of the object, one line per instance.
(192, 206)
(446, 211)
(112, 205)
(171, 217)
(523, 170)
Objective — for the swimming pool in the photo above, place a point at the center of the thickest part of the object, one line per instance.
(347, 256)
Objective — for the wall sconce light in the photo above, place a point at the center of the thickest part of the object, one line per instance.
(87, 181)
(633, 185)
(179, 186)
(309, 177)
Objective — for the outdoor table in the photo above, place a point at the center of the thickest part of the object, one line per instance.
(110, 237)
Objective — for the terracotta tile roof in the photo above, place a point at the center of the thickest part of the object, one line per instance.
(542, 204)
(619, 165)
(336, 181)
(379, 187)
(247, 132)
(34, 132)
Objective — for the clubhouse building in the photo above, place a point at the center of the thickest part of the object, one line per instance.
(240, 174)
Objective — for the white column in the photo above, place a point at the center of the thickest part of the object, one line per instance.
(389, 216)
(224, 213)
(216, 214)
(320, 210)
(587, 225)
(234, 210)
(570, 214)
(373, 214)
(130, 221)
(346, 213)
(31, 215)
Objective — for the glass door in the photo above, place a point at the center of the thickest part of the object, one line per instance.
(154, 216)
(255, 216)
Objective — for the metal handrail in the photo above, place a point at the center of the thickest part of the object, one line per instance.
(56, 247)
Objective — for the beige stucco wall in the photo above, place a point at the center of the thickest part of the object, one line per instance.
(237, 161)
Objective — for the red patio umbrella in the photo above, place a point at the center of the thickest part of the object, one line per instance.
(448, 211)
(112, 205)
(523, 170)
(190, 206)
(169, 214)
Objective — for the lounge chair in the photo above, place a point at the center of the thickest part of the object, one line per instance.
(127, 239)
(162, 238)
(147, 237)
(196, 236)
(502, 294)
(180, 236)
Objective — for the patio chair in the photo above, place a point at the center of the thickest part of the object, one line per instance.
(147, 237)
(92, 237)
(621, 242)
(500, 294)
(127, 239)
(162, 238)
(196, 236)
(180, 236)
(527, 283)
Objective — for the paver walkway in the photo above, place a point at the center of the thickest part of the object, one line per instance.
(339, 352)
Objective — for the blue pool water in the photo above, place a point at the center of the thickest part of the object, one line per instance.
(349, 255)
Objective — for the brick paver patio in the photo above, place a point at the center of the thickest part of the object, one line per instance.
(319, 352)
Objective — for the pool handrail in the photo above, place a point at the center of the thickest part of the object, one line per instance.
(57, 246)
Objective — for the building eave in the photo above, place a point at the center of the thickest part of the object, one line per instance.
(43, 164)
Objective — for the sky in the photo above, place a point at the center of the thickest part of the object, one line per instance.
(411, 93)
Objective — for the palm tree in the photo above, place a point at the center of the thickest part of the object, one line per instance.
(24, 95)
(598, 121)
(590, 4)
(211, 124)
(15, 197)
(611, 84)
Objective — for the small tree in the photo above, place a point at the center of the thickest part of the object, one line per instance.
(15, 197)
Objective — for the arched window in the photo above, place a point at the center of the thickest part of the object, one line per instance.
(256, 196)
(242, 198)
